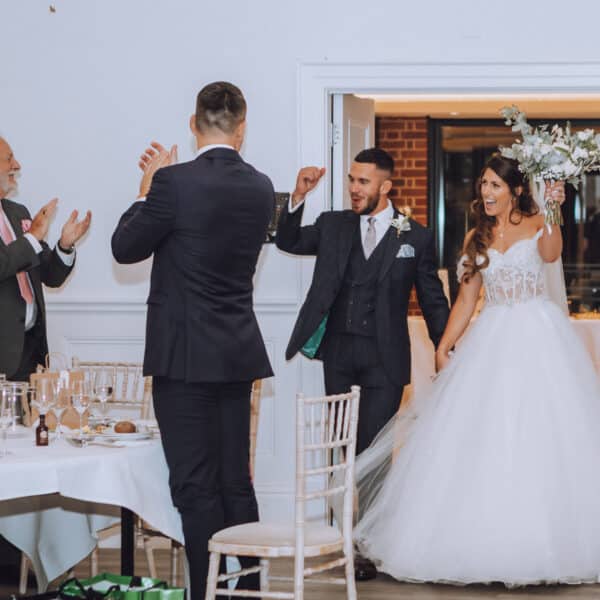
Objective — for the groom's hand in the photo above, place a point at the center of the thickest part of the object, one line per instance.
(307, 180)
(154, 157)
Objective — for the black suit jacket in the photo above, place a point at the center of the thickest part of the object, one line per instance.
(43, 268)
(205, 222)
(330, 239)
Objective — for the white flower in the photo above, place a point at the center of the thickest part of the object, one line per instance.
(400, 223)
(585, 135)
(580, 153)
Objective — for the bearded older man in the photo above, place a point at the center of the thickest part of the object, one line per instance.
(26, 262)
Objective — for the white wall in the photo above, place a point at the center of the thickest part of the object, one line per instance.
(84, 89)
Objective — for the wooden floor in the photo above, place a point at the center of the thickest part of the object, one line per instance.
(382, 588)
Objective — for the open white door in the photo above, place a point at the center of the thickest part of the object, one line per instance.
(353, 130)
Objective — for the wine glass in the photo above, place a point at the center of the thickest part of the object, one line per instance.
(44, 395)
(103, 389)
(80, 398)
(6, 416)
(61, 403)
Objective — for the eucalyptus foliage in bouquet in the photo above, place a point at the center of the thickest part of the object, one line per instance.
(551, 153)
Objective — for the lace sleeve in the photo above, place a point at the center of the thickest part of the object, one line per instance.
(460, 268)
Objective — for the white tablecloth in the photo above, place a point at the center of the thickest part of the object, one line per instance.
(53, 500)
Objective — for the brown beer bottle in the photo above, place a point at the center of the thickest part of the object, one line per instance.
(41, 432)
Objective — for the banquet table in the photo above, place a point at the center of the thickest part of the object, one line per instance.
(54, 499)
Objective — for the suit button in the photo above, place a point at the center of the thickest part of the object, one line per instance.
(364, 322)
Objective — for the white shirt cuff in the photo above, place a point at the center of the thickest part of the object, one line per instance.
(68, 259)
(34, 242)
(291, 209)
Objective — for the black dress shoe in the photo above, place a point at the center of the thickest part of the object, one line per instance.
(364, 569)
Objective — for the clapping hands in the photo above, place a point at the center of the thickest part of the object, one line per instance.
(154, 157)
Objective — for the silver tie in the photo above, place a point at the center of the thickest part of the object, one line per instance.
(370, 238)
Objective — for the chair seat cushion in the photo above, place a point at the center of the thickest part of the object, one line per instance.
(275, 539)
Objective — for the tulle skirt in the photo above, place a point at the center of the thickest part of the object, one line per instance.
(498, 479)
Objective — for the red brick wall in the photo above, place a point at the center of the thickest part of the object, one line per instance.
(406, 140)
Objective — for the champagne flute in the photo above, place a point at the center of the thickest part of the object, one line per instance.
(80, 397)
(60, 404)
(103, 390)
(44, 394)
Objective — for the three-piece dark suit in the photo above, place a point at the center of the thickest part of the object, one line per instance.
(20, 351)
(204, 222)
(366, 303)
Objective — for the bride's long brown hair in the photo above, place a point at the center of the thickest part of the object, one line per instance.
(481, 239)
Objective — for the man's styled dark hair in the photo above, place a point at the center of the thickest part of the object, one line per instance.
(220, 105)
(380, 158)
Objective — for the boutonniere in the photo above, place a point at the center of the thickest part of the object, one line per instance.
(401, 223)
(25, 225)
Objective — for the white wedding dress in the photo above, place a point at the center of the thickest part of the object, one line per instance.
(498, 477)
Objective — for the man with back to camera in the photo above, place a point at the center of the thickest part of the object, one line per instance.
(367, 261)
(204, 222)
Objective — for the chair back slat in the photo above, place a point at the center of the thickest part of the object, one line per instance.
(326, 445)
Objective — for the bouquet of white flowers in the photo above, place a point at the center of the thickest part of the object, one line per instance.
(551, 153)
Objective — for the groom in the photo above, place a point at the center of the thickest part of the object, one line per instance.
(368, 260)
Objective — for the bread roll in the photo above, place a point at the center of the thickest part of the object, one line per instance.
(124, 427)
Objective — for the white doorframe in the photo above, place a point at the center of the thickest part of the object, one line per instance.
(317, 81)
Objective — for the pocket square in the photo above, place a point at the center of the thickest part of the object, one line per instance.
(406, 251)
(25, 225)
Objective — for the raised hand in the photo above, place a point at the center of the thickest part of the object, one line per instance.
(555, 190)
(73, 230)
(154, 157)
(307, 180)
(41, 221)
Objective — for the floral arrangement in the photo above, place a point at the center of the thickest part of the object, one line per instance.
(551, 153)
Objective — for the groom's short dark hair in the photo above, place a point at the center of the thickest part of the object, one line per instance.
(220, 105)
(380, 158)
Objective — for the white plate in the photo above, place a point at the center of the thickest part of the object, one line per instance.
(108, 434)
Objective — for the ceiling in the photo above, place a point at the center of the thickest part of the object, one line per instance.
(465, 106)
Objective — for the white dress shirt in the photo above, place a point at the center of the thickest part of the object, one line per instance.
(208, 147)
(68, 259)
(383, 221)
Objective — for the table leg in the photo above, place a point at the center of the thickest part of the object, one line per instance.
(127, 542)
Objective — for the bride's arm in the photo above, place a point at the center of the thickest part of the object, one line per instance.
(550, 244)
(460, 315)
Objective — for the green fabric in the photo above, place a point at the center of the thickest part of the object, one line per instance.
(121, 587)
(314, 341)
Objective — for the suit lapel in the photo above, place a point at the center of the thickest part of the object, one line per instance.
(13, 219)
(345, 239)
(393, 243)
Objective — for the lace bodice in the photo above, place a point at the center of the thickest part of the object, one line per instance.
(514, 276)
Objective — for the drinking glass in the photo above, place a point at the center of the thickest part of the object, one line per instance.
(16, 394)
(103, 390)
(61, 403)
(80, 398)
(6, 417)
(44, 395)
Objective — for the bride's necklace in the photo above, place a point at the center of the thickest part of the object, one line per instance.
(500, 231)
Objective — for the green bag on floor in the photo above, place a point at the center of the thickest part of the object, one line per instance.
(107, 586)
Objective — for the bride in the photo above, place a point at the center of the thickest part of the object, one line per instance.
(498, 475)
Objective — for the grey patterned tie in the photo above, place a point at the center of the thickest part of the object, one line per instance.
(370, 238)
